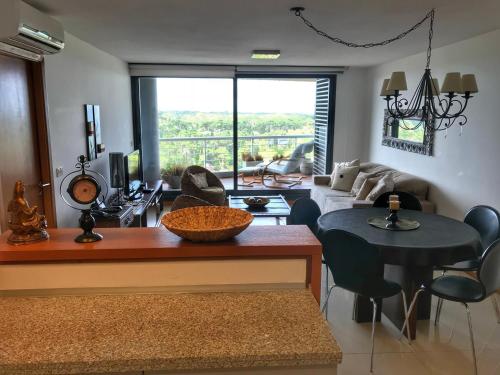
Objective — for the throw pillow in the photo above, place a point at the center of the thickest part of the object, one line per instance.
(200, 180)
(359, 181)
(344, 178)
(368, 185)
(384, 185)
(353, 163)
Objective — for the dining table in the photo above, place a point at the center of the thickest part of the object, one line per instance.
(409, 256)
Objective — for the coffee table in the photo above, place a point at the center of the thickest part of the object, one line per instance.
(277, 207)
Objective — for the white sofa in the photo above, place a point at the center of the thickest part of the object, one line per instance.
(331, 200)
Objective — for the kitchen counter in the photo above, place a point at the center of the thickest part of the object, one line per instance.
(137, 260)
(192, 332)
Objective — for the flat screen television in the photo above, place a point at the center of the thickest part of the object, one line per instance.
(133, 175)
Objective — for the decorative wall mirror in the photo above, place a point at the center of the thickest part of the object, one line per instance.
(419, 140)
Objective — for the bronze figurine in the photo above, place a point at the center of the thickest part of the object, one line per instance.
(26, 223)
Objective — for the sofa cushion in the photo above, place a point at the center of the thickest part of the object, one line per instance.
(367, 187)
(333, 203)
(344, 178)
(353, 163)
(199, 180)
(359, 181)
(320, 193)
(383, 185)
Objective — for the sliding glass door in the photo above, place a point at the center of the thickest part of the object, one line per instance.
(275, 117)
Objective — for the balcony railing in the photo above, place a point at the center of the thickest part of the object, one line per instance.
(216, 153)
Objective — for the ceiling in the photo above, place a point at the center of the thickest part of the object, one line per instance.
(226, 31)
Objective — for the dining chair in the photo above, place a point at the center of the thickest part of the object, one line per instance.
(486, 220)
(305, 211)
(465, 290)
(408, 201)
(356, 266)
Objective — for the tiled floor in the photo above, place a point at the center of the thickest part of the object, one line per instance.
(437, 350)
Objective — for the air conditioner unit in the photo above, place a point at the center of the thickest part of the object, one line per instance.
(27, 32)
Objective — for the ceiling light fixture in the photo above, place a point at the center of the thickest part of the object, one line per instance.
(263, 54)
(434, 112)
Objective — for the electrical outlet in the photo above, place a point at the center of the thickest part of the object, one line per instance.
(59, 171)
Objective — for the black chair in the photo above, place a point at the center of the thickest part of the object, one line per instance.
(408, 201)
(466, 290)
(306, 211)
(357, 267)
(486, 220)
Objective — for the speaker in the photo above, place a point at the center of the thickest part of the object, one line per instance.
(117, 169)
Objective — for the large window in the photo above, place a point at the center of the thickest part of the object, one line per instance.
(195, 123)
(228, 124)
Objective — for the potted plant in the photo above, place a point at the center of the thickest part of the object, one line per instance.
(248, 160)
(172, 175)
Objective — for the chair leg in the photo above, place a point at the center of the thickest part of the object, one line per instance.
(326, 287)
(373, 332)
(439, 307)
(410, 309)
(494, 302)
(325, 304)
(471, 335)
(438, 311)
(407, 316)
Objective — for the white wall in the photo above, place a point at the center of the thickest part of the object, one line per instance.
(350, 138)
(464, 169)
(83, 74)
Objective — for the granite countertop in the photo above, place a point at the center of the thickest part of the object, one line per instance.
(141, 332)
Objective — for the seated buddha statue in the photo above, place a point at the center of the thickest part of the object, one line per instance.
(26, 223)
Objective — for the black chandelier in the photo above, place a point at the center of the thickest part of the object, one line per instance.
(434, 111)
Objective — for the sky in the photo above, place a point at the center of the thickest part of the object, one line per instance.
(254, 95)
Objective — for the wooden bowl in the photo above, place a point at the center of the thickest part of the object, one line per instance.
(207, 223)
(256, 202)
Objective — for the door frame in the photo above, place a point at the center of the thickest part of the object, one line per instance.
(41, 129)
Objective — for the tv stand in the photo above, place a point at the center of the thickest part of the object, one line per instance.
(135, 213)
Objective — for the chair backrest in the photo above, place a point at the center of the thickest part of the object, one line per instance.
(212, 179)
(293, 162)
(486, 220)
(489, 269)
(354, 263)
(185, 201)
(305, 211)
(408, 201)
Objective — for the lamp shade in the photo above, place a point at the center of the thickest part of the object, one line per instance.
(452, 83)
(469, 83)
(397, 82)
(434, 88)
(384, 91)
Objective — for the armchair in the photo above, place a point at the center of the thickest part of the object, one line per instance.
(214, 191)
(284, 166)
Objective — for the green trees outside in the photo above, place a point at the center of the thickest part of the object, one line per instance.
(217, 154)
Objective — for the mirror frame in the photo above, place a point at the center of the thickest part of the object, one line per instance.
(424, 148)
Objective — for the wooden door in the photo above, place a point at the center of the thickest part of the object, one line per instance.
(20, 146)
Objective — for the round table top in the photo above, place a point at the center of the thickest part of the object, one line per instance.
(439, 240)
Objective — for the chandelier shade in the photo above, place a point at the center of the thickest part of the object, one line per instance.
(452, 83)
(469, 83)
(397, 82)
